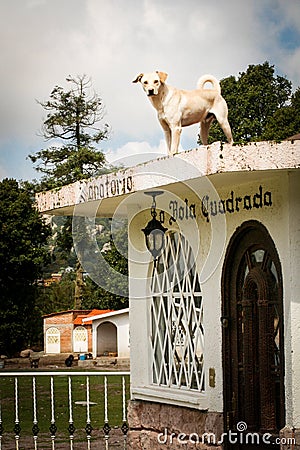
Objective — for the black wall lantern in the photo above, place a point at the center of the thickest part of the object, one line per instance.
(154, 230)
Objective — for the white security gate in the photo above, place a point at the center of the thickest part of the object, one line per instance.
(80, 340)
(177, 318)
(52, 340)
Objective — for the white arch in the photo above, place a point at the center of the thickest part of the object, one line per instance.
(53, 340)
(107, 338)
(80, 340)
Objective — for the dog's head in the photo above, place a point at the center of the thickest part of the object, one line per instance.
(151, 82)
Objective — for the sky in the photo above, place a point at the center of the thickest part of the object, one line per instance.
(42, 42)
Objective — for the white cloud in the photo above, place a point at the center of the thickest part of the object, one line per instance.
(3, 173)
(42, 42)
(293, 66)
(133, 153)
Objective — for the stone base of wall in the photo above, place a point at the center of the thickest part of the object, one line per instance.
(290, 438)
(158, 426)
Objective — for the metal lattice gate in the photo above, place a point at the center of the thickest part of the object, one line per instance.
(53, 340)
(80, 340)
(177, 318)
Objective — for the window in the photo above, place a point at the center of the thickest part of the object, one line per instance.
(177, 318)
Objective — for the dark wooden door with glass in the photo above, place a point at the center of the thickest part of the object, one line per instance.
(253, 356)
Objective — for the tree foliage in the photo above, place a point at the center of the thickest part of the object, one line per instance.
(260, 106)
(286, 120)
(98, 239)
(23, 235)
(72, 121)
(96, 296)
(57, 296)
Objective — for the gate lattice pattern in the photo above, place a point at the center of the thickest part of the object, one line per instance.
(53, 336)
(177, 318)
(80, 334)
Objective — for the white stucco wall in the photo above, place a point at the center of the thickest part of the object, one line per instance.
(292, 304)
(281, 220)
(121, 321)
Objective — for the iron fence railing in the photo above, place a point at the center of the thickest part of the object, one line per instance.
(63, 410)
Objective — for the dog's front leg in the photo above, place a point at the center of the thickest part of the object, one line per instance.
(167, 132)
(175, 139)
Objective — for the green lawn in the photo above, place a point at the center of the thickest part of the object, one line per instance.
(115, 403)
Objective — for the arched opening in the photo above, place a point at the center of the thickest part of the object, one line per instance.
(252, 319)
(80, 340)
(107, 339)
(53, 340)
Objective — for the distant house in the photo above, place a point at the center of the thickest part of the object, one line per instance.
(65, 332)
(110, 333)
(55, 278)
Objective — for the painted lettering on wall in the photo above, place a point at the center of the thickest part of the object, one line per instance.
(108, 187)
(180, 212)
(235, 203)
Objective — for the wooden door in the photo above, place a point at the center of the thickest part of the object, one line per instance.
(252, 339)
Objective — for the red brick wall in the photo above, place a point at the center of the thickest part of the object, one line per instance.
(65, 318)
(64, 323)
(90, 342)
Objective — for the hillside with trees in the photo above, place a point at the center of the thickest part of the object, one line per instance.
(23, 255)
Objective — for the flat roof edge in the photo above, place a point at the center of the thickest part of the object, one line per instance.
(184, 166)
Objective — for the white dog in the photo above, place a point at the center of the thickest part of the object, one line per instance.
(178, 108)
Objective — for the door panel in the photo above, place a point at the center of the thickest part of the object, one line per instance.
(52, 340)
(252, 335)
(80, 340)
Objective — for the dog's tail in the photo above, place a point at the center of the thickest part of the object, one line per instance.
(209, 78)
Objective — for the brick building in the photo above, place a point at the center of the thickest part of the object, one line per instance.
(64, 332)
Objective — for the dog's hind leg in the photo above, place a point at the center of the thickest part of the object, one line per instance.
(224, 124)
(221, 114)
(204, 128)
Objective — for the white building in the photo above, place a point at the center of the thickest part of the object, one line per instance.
(110, 333)
(214, 323)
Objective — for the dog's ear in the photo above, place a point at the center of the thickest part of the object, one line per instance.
(162, 76)
(138, 78)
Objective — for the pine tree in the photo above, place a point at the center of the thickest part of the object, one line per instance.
(71, 121)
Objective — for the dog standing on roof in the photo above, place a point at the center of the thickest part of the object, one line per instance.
(177, 108)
